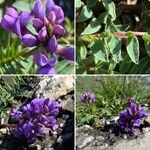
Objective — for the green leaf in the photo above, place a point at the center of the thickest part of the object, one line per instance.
(115, 48)
(146, 39)
(85, 14)
(31, 28)
(22, 6)
(110, 7)
(61, 65)
(100, 51)
(133, 48)
(83, 52)
(78, 4)
(93, 27)
(147, 46)
(67, 70)
(91, 3)
(103, 17)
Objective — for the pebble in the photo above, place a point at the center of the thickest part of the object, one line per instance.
(86, 141)
(4, 131)
(146, 129)
(100, 138)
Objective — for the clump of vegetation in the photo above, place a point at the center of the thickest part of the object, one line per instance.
(112, 94)
(113, 36)
(14, 90)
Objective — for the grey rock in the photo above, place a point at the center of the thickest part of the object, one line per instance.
(55, 87)
(84, 140)
(4, 131)
(136, 144)
(68, 104)
(146, 129)
(100, 138)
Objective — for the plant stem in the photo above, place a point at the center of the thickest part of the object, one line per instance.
(122, 35)
(7, 126)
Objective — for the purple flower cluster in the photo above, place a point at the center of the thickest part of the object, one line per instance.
(88, 97)
(33, 118)
(47, 21)
(131, 118)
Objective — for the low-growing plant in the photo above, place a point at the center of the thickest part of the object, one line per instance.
(131, 118)
(13, 90)
(112, 94)
(33, 118)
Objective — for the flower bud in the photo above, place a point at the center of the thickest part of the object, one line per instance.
(52, 17)
(59, 14)
(25, 18)
(67, 53)
(29, 40)
(58, 29)
(42, 34)
(12, 12)
(49, 6)
(37, 23)
(52, 44)
(39, 11)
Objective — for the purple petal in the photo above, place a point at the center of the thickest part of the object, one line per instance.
(42, 34)
(55, 127)
(29, 40)
(52, 44)
(18, 28)
(52, 17)
(40, 59)
(59, 14)
(49, 6)
(7, 21)
(25, 18)
(46, 70)
(37, 23)
(12, 12)
(68, 53)
(58, 29)
(39, 11)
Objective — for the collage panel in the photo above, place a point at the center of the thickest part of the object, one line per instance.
(37, 112)
(112, 36)
(37, 37)
(112, 112)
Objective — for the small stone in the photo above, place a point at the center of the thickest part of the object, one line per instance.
(100, 138)
(125, 136)
(38, 147)
(146, 130)
(107, 122)
(97, 143)
(87, 126)
(86, 141)
(4, 131)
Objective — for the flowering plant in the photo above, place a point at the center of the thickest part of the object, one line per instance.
(88, 97)
(34, 117)
(131, 118)
(47, 22)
